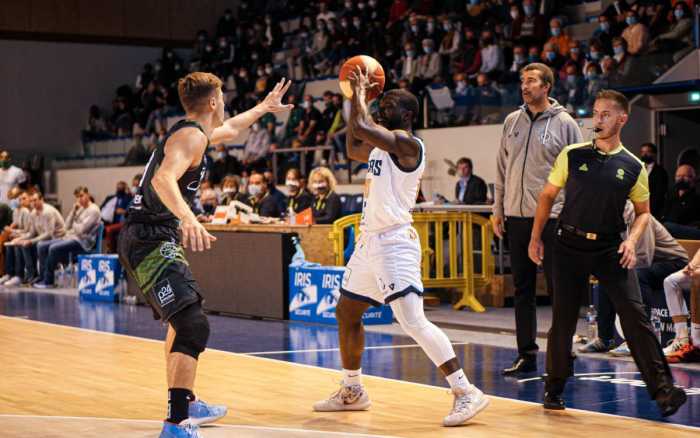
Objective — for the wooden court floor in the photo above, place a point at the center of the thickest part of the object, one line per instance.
(62, 382)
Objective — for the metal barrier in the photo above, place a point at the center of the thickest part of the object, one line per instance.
(440, 231)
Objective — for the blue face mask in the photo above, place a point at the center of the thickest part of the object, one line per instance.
(551, 56)
(14, 203)
(595, 56)
(571, 80)
(519, 59)
(410, 53)
(619, 50)
(678, 13)
(428, 50)
(473, 2)
(529, 10)
(532, 58)
(605, 26)
(575, 50)
(591, 76)
(631, 21)
(556, 31)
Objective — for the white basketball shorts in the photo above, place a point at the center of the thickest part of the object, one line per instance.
(384, 266)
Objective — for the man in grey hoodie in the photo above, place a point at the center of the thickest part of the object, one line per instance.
(532, 138)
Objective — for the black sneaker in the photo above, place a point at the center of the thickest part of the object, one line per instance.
(669, 400)
(523, 364)
(597, 346)
(553, 401)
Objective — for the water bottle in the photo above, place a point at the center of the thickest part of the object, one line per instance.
(299, 258)
(592, 320)
(292, 216)
(656, 326)
(59, 274)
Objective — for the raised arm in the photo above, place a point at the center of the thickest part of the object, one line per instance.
(398, 142)
(233, 126)
(182, 151)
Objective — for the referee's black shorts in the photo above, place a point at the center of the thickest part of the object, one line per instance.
(155, 260)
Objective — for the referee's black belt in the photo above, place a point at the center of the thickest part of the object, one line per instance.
(589, 236)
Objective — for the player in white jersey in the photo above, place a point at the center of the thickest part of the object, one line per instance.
(385, 267)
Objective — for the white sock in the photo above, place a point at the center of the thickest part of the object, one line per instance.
(458, 380)
(681, 329)
(695, 333)
(352, 377)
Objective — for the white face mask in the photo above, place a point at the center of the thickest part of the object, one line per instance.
(255, 189)
(14, 203)
(228, 190)
(134, 189)
(320, 187)
(292, 183)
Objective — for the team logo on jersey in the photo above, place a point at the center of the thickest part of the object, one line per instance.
(583, 168)
(545, 137)
(169, 250)
(620, 173)
(164, 293)
(375, 167)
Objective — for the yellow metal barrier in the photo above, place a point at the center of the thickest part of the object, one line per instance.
(438, 230)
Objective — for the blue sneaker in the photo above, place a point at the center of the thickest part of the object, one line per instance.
(202, 413)
(621, 351)
(183, 430)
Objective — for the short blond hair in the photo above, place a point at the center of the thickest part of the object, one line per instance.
(326, 174)
(196, 88)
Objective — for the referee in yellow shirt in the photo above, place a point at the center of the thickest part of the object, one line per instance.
(598, 177)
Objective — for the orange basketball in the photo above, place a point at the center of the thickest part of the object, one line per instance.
(369, 65)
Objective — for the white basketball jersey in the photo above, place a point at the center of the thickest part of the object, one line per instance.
(390, 191)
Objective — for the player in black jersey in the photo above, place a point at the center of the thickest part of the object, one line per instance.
(152, 250)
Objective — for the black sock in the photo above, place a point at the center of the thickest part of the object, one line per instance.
(178, 404)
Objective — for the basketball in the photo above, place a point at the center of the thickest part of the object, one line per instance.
(369, 65)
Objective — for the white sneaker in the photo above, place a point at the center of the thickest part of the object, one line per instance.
(14, 281)
(465, 407)
(4, 278)
(621, 351)
(676, 345)
(347, 398)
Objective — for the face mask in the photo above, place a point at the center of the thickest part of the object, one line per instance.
(591, 76)
(268, 21)
(473, 2)
(520, 59)
(571, 80)
(619, 50)
(268, 70)
(575, 50)
(254, 189)
(461, 85)
(605, 26)
(430, 27)
(121, 191)
(208, 49)
(532, 58)
(428, 50)
(14, 204)
(357, 24)
(304, 35)
(595, 56)
(647, 159)
(556, 31)
(414, 29)
(551, 56)
(157, 67)
(678, 13)
(261, 72)
(321, 188)
(529, 10)
(229, 190)
(222, 44)
(447, 27)
(134, 190)
(410, 53)
(348, 5)
(372, 3)
(255, 127)
(254, 56)
(514, 15)
(344, 24)
(306, 104)
(631, 21)
(220, 155)
(361, 6)
(242, 74)
(208, 208)
(5, 164)
(292, 183)
(682, 185)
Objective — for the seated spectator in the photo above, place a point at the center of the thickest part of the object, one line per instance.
(208, 202)
(658, 179)
(273, 191)
(46, 224)
(470, 189)
(263, 204)
(329, 111)
(429, 63)
(571, 90)
(137, 154)
(295, 116)
(559, 40)
(685, 346)
(21, 225)
(594, 83)
(448, 49)
(575, 56)
(658, 256)
(223, 164)
(491, 54)
(326, 207)
(682, 213)
(465, 97)
(257, 147)
(551, 57)
(10, 176)
(82, 224)
(622, 60)
(604, 34)
(113, 212)
(407, 66)
(337, 130)
(96, 127)
(232, 190)
(519, 61)
(636, 34)
(299, 198)
(471, 60)
(530, 28)
(679, 39)
(488, 108)
(309, 121)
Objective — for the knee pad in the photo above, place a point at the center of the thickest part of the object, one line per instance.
(191, 331)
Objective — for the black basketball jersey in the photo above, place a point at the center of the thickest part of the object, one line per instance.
(147, 206)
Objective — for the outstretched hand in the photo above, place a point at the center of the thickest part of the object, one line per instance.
(360, 81)
(273, 100)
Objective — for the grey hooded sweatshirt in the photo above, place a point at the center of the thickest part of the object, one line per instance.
(526, 156)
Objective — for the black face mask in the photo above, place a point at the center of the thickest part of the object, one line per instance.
(682, 185)
(121, 192)
(647, 159)
(208, 208)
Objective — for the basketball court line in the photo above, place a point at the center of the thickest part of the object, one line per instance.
(328, 350)
(423, 385)
(159, 423)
